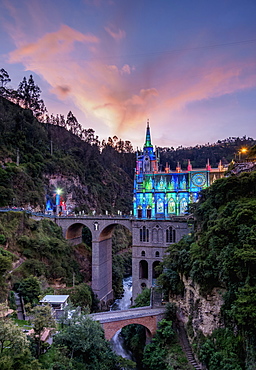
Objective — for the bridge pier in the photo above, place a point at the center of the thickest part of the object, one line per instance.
(102, 269)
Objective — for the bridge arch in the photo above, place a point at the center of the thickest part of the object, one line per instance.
(108, 333)
(74, 232)
(113, 321)
(101, 229)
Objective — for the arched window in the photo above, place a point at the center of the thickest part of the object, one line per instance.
(183, 205)
(149, 211)
(139, 212)
(143, 272)
(170, 235)
(157, 254)
(144, 234)
(155, 272)
(171, 206)
(160, 206)
(143, 253)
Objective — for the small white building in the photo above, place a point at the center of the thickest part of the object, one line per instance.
(57, 302)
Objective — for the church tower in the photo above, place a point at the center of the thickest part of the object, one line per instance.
(147, 162)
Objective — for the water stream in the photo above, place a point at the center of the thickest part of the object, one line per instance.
(122, 304)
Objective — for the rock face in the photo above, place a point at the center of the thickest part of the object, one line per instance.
(198, 313)
(74, 191)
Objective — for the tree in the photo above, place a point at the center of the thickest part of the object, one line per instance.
(5, 265)
(4, 78)
(12, 339)
(84, 344)
(29, 97)
(30, 290)
(41, 319)
(14, 348)
(143, 299)
(82, 296)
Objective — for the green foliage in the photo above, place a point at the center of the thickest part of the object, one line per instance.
(143, 299)
(222, 351)
(81, 295)
(30, 289)
(12, 339)
(41, 319)
(134, 336)
(164, 351)
(83, 346)
(222, 253)
(121, 258)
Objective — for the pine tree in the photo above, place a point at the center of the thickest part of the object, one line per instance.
(29, 97)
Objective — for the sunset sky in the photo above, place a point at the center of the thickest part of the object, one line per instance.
(189, 66)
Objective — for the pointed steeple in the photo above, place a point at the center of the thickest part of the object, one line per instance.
(148, 137)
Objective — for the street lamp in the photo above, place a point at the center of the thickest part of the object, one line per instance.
(242, 151)
(58, 192)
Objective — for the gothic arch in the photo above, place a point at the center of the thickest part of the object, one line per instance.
(170, 235)
(143, 269)
(144, 234)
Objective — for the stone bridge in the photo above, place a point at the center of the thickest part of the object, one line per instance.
(112, 321)
(150, 238)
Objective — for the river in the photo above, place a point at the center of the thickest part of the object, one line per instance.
(122, 304)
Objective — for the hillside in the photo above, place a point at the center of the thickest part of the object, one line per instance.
(36, 158)
(218, 264)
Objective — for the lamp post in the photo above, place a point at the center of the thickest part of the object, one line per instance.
(58, 192)
(242, 151)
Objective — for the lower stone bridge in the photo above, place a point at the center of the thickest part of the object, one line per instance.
(112, 321)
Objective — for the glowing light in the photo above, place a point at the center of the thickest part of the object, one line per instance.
(243, 150)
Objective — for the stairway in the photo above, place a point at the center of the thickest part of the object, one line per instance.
(186, 345)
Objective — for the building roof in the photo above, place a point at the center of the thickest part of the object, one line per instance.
(51, 298)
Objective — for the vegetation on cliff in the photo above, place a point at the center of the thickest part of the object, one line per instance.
(222, 253)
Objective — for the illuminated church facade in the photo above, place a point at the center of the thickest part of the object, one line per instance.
(163, 194)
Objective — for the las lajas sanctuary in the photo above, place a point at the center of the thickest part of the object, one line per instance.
(163, 194)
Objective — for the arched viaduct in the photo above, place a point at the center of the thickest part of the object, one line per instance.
(101, 230)
(150, 238)
(112, 321)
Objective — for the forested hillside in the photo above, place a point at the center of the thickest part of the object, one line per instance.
(31, 152)
(222, 253)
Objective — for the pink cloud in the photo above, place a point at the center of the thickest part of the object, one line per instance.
(121, 96)
(116, 34)
(59, 42)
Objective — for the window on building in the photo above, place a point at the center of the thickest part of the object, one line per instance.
(157, 254)
(143, 253)
(143, 272)
(155, 272)
(160, 206)
(144, 234)
(170, 235)
(183, 206)
(171, 206)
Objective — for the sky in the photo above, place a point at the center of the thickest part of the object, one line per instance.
(187, 66)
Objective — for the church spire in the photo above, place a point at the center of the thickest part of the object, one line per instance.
(148, 137)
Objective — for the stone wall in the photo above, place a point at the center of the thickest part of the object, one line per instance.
(199, 312)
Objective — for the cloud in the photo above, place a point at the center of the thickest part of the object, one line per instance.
(123, 95)
(51, 45)
(116, 34)
(211, 81)
(62, 91)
